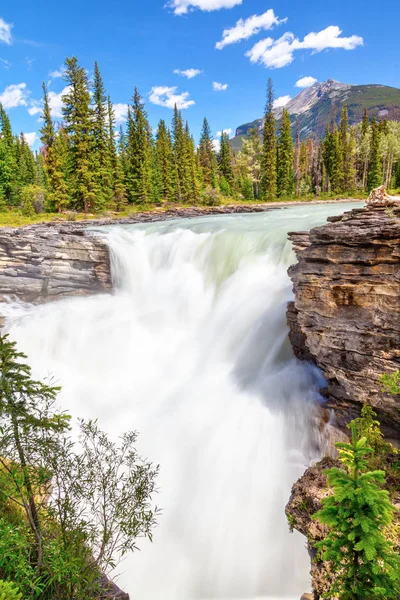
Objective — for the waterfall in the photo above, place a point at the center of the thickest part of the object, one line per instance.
(191, 350)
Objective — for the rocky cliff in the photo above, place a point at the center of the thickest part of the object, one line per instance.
(346, 313)
(42, 263)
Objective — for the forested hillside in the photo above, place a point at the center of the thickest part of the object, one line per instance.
(85, 165)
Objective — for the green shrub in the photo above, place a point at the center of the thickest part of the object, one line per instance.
(32, 200)
(9, 591)
(211, 197)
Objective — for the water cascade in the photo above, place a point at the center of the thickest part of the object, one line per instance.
(191, 350)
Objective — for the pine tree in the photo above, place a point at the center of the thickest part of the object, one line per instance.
(374, 177)
(178, 140)
(225, 161)
(102, 157)
(347, 152)
(55, 159)
(139, 152)
(285, 176)
(364, 562)
(78, 118)
(165, 159)
(8, 166)
(365, 123)
(268, 161)
(297, 169)
(117, 171)
(191, 173)
(248, 165)
(207, 158)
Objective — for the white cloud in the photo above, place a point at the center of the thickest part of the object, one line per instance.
(31, 137)
(305, 82)
(55, 101)
(120, 112)
(246, 28)
(216, 145)
(57, 73)
(181, 7)
(189, 73)
(227, 131)
(14, 95)
(281, 101)
(219, 87)
(5, 63)
(5, 31)
(275, 54)
(167, 96)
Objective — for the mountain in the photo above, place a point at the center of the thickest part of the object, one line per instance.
(315, 106)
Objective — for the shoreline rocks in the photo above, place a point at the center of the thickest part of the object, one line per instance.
(346, 312)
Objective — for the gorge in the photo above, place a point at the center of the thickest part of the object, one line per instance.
(199, 305)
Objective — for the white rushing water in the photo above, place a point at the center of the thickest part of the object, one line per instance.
(191, 350)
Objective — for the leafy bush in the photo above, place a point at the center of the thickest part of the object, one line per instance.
(9, 591)
(211, 197)
(65, 515)
(391, 382)
(32, 200)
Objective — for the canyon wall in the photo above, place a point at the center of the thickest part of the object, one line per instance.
(346, 312)
(43, 263)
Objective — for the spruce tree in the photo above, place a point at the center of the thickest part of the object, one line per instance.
(8, 166)
(268, 160)
(117, 173)
(347, 152)
(139, 152)
(191, 191)
(207, 158)
(78, 118)
(285, 176)
(358, 513)
(178, 139)
(297, 169)
(101, 157)
(165, 160)
(55, 159)
(225, 161)
(365, 123)
(374, 177)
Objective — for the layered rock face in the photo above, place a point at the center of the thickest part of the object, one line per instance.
(40, 263)
(346, 313)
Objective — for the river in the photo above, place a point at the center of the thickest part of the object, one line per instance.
(191, 350)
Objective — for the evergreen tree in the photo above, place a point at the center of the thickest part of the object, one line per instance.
(374, 177)
(365, 123)
(178, 139)
(191, 174)
(225, 161)
(297, 150)
(364, 562)
(207, 158)
(285, 176)
(101, 156)
(165, 160)
(55, 159)
(117, 171)
(139, 152)
(78, 118)
(248, 165)
(347, 152)
(8, 166)
(268, 161)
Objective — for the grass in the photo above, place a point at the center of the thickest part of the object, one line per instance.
(14, 218)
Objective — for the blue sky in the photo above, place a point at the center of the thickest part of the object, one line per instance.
(143, 43)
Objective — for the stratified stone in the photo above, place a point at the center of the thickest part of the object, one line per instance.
(41, 263)
(346, 313)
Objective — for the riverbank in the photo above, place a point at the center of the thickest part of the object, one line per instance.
(72, 221)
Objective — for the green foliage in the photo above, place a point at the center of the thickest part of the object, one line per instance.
(67, 514)
(369, 428)
(268, 157)
(358, 514)
(375, 169)
(207, 158)
(9, 591)
(391, 382)
(285, 175)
